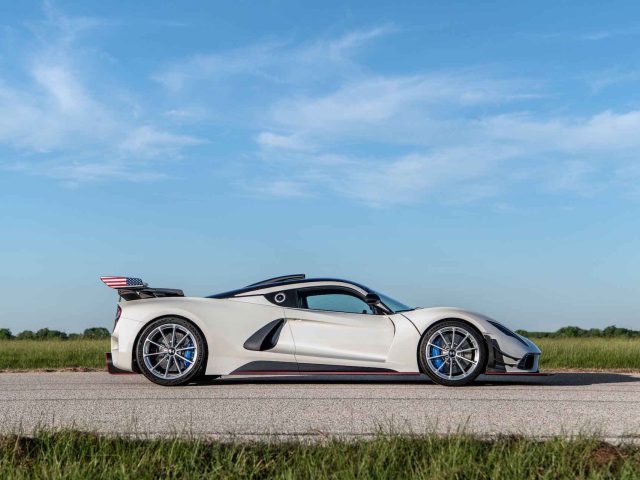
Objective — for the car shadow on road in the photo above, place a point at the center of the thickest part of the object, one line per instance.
(565, 379)
(316, 379)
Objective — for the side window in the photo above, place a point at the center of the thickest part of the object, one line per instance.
(335, 302)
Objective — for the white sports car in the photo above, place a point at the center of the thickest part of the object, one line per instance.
(294, 325)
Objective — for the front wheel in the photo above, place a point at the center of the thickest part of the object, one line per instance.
(171, 351)
(452, 353)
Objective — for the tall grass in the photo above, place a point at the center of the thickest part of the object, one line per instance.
(586, 353)
(43, 354)
(75, 455)
(557, 353)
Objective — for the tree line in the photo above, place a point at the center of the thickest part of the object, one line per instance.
(47, 334)
(577, 332)
(100, 332)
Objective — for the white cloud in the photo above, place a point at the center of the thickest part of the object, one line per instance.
(412, 109)
(147, 141)
(602, 80)
(273, 61)
(340, 49)
(452, 150)
(55, 112)
(605, 131)
(187, 114)
(574, 175)
(61, 123)
(590, 36)
(321, 121)
(62, 87)
(288, 142)
(453, 175)
(281, 188)
(601, 35)
(610, 33)
(73, 173)
(244, 61)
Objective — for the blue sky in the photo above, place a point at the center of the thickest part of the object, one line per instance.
(474, 154)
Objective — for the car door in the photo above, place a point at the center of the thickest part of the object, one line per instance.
(334, 326)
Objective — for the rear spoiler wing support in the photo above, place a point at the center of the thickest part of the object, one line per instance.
(131, 288)
(146, 292)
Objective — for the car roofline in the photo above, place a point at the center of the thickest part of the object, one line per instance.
(287, 283)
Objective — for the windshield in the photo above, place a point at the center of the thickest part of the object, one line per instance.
(394, 305)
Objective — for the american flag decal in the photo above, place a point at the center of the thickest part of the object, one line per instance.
(122, 282)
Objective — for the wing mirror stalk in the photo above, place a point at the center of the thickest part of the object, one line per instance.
(372, 299)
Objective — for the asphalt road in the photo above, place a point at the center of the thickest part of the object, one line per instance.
(564, 404)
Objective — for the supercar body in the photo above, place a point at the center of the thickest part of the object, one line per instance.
(293, 325)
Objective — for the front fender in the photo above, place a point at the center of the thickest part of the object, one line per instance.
(501, 341)
(423, 318)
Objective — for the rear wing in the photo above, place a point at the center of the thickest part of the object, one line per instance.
(131, 288)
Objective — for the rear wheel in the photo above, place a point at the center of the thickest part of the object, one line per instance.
(452, 353)
(171, 351)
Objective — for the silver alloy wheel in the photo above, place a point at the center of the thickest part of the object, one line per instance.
(170, 351)
(452, 353)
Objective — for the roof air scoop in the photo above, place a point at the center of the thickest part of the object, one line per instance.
(284, 278)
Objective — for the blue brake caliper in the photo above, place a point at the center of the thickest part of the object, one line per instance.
(433, 351)
(188, 354)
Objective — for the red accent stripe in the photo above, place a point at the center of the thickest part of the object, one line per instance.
(527, 374)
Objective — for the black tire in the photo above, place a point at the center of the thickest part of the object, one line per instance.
(457, 367)
(168, 349)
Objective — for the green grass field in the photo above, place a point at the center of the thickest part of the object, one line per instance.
(589, 353)
(54, 354)
(72, 455)
(557, 353)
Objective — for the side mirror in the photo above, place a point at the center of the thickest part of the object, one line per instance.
(372, 299)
